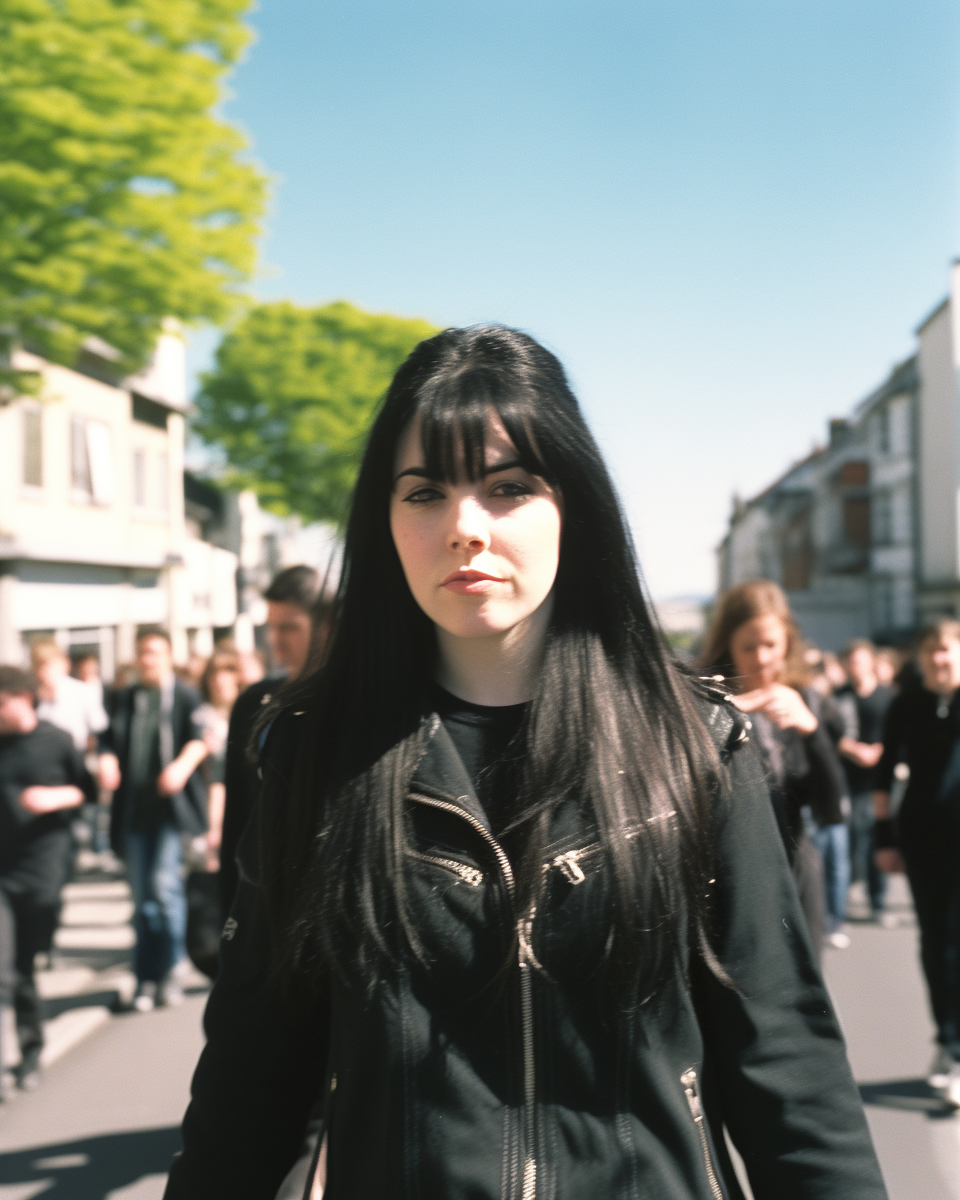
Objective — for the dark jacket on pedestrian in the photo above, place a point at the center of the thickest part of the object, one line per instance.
(241, 779)
(498, 1053)
(177, 727)
(801, 770)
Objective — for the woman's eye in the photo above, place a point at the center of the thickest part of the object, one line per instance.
(423, 495)
(511, 487)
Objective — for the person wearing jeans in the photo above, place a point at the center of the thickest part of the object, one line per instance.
(833, 842)
(154, 868)
(865, 702)
(150, 757)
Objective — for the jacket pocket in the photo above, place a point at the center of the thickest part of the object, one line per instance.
(691, 1089)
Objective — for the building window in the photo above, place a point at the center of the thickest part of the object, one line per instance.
(883, 518)
(149, 412)
(854, 474)
(883, 429)
(139, 479)
(164, 496)
(32, 446)
(901, 521)
(91, 462)
(796, 557)
(900, 420)
(856, 521)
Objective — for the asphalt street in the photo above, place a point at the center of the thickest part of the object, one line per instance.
(105, 1123)
(877, 989)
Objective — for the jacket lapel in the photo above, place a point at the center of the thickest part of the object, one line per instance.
(442, 775)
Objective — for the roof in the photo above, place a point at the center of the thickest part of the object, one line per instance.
(929, 317)
(904, 377)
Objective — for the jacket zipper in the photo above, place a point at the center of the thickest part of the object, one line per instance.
(471, 875)
(569, 861)
(526, 959)
(692, 1092)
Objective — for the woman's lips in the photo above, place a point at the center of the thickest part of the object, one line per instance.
(470, 583)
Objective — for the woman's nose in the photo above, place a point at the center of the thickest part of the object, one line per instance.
(470, 528)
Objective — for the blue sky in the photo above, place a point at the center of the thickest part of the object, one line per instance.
(726, 218)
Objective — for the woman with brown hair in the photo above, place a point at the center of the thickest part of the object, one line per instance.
(755, 645)
(220, 685)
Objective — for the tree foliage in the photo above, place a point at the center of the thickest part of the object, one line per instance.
(292, 396)
(122, 199)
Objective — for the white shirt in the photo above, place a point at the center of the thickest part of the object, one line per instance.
(76, 709)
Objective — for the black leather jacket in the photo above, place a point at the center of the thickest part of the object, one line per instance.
(465, 1082)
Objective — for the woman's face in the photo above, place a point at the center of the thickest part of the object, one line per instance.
(224, 686)
(758, 648)
(939, 659)
(479, 557)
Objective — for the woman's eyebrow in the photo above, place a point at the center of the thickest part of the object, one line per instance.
(492, 469)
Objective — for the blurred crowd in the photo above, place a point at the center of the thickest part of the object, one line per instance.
(862, 756)
(132, 776)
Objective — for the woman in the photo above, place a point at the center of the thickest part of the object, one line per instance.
(516, 909)
(220, 685)
(755, 644)
(923, 731)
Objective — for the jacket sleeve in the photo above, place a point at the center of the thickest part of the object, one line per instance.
(775, 1068)
(893, 742)
(260, 1072)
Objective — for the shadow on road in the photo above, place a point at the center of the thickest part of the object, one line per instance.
(91, 1168)
(907, 1095)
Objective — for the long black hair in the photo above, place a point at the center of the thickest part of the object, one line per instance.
(613, 722)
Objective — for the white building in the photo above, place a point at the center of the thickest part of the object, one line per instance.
(864, 534)
(93, 540)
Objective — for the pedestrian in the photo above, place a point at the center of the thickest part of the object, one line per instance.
(865, 701)
(297, 617)
(64, 701)
(514, 904)
(922, 730)
(889, 665)
(754, 643)
(42, 780)
(86, 668)
(219, 686)
(151, 753)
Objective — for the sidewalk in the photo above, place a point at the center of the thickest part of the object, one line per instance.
(88, 976)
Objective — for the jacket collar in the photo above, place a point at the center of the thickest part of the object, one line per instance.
(442, 775)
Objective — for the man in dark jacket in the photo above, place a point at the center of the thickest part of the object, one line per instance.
(297, 612)
(149, 760)
(42, 779)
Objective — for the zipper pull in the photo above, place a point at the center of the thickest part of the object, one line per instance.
(570, 867)
(689, 1081)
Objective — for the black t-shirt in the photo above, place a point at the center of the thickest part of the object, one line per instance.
(482, 735)
(46, 757)
(871, 714)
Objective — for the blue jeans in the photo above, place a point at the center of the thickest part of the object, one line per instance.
(861, 851)
(833, 842)
(155, 871)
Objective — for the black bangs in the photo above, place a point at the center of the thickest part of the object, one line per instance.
(453, 423)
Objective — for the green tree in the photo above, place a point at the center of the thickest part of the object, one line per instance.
(292, 395)
(122, 199)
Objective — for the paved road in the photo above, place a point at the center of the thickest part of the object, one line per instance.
(878, 991)
(105, 1123)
